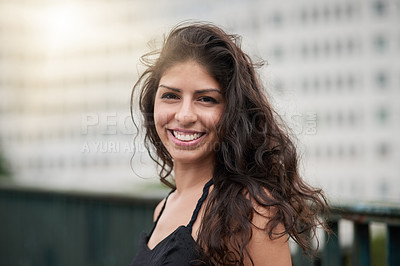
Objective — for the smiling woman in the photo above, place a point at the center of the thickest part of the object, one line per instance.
(187, 108)
(237, 195)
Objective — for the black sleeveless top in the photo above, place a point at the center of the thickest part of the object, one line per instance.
(178, 248)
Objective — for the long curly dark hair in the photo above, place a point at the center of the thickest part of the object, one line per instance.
(256, 162)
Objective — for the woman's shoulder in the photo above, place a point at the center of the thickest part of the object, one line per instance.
(268, 243)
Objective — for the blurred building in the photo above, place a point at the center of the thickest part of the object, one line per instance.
(336, 70)
(67, 69)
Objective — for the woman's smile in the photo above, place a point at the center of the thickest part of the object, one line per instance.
(187, 109)
(186, 138)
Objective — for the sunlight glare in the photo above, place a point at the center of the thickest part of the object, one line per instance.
(64, 25)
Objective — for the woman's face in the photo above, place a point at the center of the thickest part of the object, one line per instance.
(187, 109)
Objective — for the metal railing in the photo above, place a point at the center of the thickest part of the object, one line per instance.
(362, 216)
(40, 227)
(55, 228)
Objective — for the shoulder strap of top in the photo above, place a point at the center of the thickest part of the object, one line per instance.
(199, 203)
(161, 211)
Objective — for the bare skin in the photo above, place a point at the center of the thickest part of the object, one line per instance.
(263, 250)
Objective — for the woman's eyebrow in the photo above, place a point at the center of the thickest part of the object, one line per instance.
(196, 91)
(207, 90)
(169, 88)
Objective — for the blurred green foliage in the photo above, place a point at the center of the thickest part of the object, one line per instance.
(378, 250)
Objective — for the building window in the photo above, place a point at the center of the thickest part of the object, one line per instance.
(383, 149)
(329, 152)
(381, 80)
(383, 187)
(303, 16)
(379, 8)
(328, 83)
(351, 82)
(327, 48)
(350, 46)
(325, 13)
(317, 151)
(304, 50)
(316, 84)
(352, 151)
(277, 53)
(277, 19)
(304, 85)
(338, 12)
(339, 83)
(315, 14)
(380, 43)
(340, 118)
(382, 115)
(338, 47)
(349, 11)
(352, 118)
(340, 151)
(316, 49)
(328, 118)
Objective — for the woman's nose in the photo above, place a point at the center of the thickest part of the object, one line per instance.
(186, 114)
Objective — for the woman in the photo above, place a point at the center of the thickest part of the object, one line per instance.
(237, 195)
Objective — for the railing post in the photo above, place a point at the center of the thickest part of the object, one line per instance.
(361, 249)
(302, 258)
(393, 245)
(332, 255)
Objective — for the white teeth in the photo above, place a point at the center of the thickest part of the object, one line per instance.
(186, 137)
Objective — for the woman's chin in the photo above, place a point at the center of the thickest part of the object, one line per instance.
(190, 157)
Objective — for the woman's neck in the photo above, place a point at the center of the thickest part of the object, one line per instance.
(189, 177)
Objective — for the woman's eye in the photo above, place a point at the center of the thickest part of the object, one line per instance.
(208, 99)
(169, 95)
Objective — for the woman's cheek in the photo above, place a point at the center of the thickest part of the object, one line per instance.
(161, 115)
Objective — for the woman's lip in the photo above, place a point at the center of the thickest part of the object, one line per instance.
(186, 131)
(182, 143)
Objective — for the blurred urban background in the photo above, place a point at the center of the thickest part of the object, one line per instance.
(67, 69)
(66, 73)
